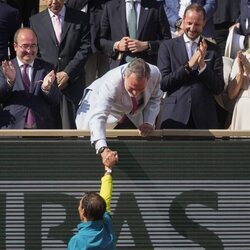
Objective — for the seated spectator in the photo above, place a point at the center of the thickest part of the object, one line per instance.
(239, 90)
(28, 92)
(95, 230)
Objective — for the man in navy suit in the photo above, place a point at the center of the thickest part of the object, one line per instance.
(192, 73)
(9, 24)
(152, 28)
(28, 100)
(68, 55)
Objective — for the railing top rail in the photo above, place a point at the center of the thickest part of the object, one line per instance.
(220, 133)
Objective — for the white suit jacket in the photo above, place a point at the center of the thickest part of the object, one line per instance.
(106, 100)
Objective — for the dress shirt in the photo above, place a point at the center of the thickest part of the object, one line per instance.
(29, 69)
(188, 44)
(129, 6)
(61, 15)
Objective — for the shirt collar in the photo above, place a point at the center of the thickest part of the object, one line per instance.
(128, 1)
(187, 40)
(20, 63)
(61, 13)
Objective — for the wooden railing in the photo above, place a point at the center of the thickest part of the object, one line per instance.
(220, 133)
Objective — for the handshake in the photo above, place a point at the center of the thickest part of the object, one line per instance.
(109, 157)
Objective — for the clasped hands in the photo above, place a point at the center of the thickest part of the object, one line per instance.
(132, 45)
(197, 60)
(243, 62)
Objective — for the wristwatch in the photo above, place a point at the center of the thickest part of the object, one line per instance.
(108, 171)
(187, 68)
(101, 150)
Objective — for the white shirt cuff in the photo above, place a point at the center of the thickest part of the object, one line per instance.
(99, 144)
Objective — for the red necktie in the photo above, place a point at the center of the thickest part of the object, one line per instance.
(25, 77)
(134, 104)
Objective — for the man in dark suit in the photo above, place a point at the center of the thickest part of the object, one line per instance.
(27, 8)
(97, 63)
(152, 27)
(9, 24)
(28, 93)
(68, 52)
(225, 16)
(190, 78)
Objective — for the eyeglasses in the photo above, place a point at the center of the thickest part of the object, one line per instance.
(27, 46)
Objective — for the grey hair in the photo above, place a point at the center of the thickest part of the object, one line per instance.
(139, 67)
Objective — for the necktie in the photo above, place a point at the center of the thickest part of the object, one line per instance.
(192, 49)
(57, 27)
(25, 77)
(134, 104)
(132, 25)
(30, 119)
(132, 20)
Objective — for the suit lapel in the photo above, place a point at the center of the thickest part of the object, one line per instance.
(181, 49)
(121, 10)
(66, 23)
(46, 20)
(36, 77)
(143, 17)
(18, 73)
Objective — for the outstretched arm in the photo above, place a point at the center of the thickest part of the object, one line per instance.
(106, 187)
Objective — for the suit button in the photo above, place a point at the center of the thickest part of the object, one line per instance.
(59, 58)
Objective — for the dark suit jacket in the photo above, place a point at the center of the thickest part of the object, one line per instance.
(16, 102)
(95, 8)
(227, 13)
(9, 23)
(27, 8)
(153, 27)
(244, 14)
(186, 92)
(71, 55)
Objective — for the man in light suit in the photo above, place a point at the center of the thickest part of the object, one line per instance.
(20, 101)
(174, 11)
(68, 55)
(111, 97)
(190, 81)
(152, 28)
